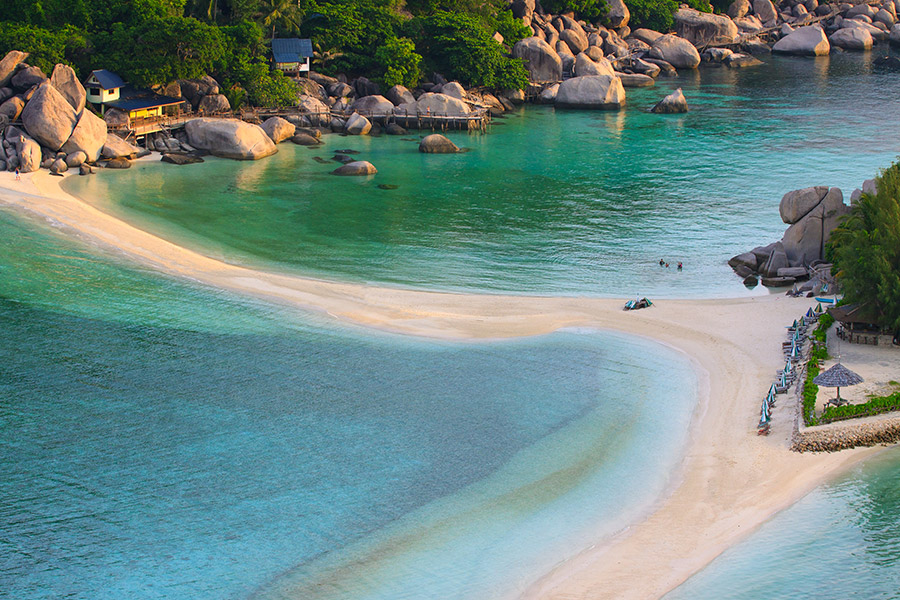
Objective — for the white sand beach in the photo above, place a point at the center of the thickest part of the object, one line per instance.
(730, 480)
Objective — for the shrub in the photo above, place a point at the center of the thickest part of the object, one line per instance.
(590, 10)
(875, 406)
(402, 66)
(810, 391)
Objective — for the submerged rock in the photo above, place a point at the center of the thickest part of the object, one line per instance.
(359, 167)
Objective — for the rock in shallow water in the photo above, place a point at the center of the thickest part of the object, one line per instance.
(673, 103)
(356, 168)
(437, 144)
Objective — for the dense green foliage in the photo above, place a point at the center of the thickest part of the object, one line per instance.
(659, 14)
(810, 391)
(402, 66)
(865, 249)
(590, 10)
(460, 48)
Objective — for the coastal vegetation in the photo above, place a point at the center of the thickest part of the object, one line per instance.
(865, 249)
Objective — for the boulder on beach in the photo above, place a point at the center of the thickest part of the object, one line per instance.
(541, 60)
(805, 41)
(676, 51)
(89, 136)
(357, 167)
(702, 29)
(592, 91)
(28, 152)
(278, 129)
(76, 159)
(804, 241)
(229, 138)
(48, 117)
(673, 103)
(797, 204)
(116, 147)
(437, 144)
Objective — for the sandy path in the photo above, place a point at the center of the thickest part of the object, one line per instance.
(730, 479)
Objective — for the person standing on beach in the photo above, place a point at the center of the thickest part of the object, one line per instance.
(17, 174)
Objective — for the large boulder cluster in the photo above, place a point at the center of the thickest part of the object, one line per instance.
(47, 123)
(360, 107)
(812, 214)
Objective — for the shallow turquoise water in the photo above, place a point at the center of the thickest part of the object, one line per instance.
(162, 440)
(550, 202)
(841, 541)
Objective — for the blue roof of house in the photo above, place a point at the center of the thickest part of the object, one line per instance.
(288, 50)
(135, 99)
(108, 80)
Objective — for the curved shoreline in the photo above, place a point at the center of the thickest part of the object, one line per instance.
(730, 480)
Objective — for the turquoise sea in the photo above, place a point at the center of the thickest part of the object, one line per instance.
(160, 439)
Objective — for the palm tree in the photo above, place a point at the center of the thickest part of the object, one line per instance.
(281, 12)
(323, 57)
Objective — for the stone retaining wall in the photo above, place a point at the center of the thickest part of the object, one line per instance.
(848, 434)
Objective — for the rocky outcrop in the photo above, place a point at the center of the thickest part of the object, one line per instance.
(812, 214)
(440, 104)
(618, 14)
(356, 168)
(575, 39)
(399, 95)
(454, 90)
(765, 11)
(592, 91)
(852, 38)
(676, 51)
(12, 108)
(27, 77)
(89, 136)
(805, 41)
(230, 138)
(673, 103)
(739, 8)
(213, 104)
(373, 106)
(437, 144)
(8, 65)
(66, 83)
(584, 65)
(116, 147)
(357, 125)
(28, 153)
(851, 433)
(541, 60)
(278, 129)
(702, 29)
(48, 117)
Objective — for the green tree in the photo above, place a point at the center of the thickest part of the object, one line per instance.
(461, 48)
(865, 249)
(285, 14)
(402, 66)
(590, 10)
(159, 50)
(45, 48)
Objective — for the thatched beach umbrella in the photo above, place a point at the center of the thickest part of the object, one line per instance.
(837, 376)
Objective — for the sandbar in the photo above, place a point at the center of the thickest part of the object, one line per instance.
(730, 480)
